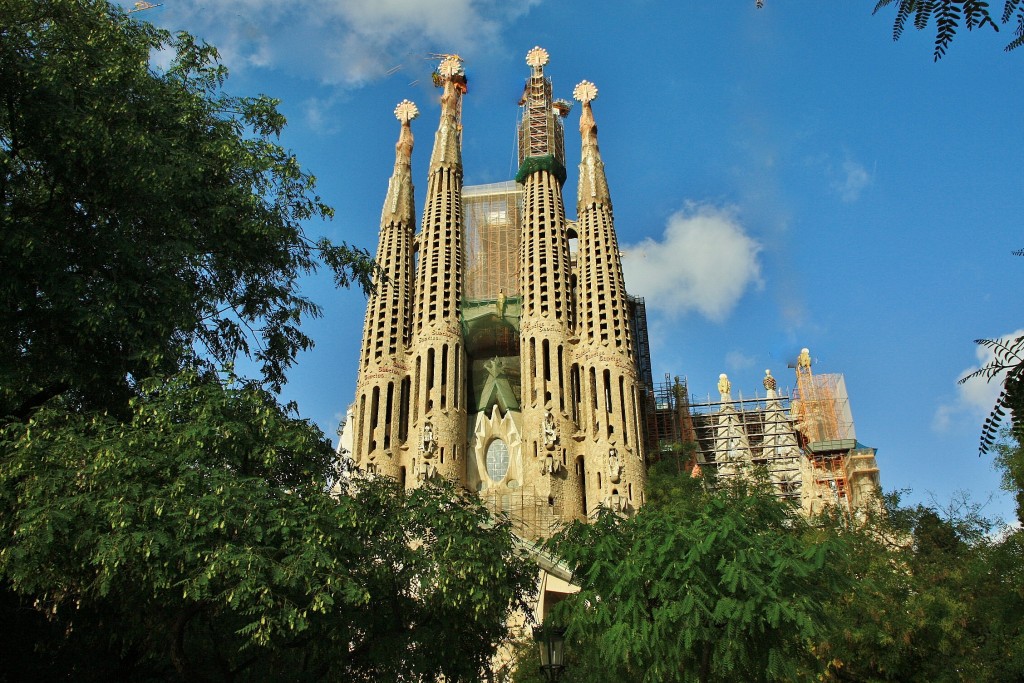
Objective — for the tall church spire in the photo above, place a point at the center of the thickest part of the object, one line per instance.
(545, 327)
(383, 384)
(438, 356)
(593, 185)
(607, 366)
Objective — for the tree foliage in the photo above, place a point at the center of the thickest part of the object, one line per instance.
(149, 218)
(720, 584)
(1007, 365)
(949, 15)
(715, 583)
(161, 519)
(197, 539)
(937, 599)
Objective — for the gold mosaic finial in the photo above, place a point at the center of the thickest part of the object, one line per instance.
(536, 59)
(585, 92)
(406, 111)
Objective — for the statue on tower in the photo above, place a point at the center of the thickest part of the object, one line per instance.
(500, 303)
(770, 384)
(550, 431)
(614, 466)
(724, 387)
(429, 444)
(803, 361)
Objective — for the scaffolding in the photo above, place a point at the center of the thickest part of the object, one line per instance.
(668, 425)
(491, 234)
(534, 516)
(824, 419)
(541, 133)
(734, 436)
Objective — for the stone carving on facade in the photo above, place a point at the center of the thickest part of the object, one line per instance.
(500, 303)
(803, 361)
(616, 502)
(550, 431)
(429, 445)
(425, 471)
(724, 387)
(614, 466)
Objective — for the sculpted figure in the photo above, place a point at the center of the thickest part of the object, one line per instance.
(550, 431)
(725, 387)
(429, 443)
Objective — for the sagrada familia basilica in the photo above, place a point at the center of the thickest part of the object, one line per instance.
(501, 350)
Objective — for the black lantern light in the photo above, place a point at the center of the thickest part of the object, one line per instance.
(551, 641)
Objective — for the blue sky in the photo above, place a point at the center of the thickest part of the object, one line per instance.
(781, 178)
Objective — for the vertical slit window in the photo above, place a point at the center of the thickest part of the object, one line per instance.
(403, 411)
(456, 387)
(430, 380)
(416, 390)
(608, 390)
(374, 418)
(388, 403)
(444, 376)
(622, 409)
(561, 382)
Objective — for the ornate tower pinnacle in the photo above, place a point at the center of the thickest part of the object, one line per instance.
(383, 385)
(398, 205)
(436, 353)
(447, 141)
(541, 137)
(593, 186)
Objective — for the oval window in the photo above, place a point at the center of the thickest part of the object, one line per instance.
(497, 460)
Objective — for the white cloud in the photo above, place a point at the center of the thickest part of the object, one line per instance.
(345, 42)
(704, 262)
(851, 180)
(736, 361)
(975, 397)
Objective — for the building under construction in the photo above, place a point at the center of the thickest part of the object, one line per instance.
(803, 440)
(500, 348)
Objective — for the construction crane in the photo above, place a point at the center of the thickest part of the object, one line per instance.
(142, 6)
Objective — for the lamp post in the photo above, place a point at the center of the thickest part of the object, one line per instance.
(551, 642)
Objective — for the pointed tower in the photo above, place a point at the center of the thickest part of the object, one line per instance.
(383, 386)
(436, 352)
(490, 365)
(547, 318)
(607, 366)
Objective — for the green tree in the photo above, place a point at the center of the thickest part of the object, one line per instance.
(1009, 458)
(936, 599)
(719, 583)
(159, 520)
(149, 219)
(949, 15)
(196, 539)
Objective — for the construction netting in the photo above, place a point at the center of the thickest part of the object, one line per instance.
(491, 229)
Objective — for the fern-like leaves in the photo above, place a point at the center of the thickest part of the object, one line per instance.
(949, 15)
(1008, 358)
(947, 19)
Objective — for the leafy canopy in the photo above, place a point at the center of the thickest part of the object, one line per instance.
(160, 520)
(150, 220)
(715, 583)
(196, 537)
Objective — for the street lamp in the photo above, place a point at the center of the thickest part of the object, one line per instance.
(551, 641)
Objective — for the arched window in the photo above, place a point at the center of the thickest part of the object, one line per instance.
(497, 460)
